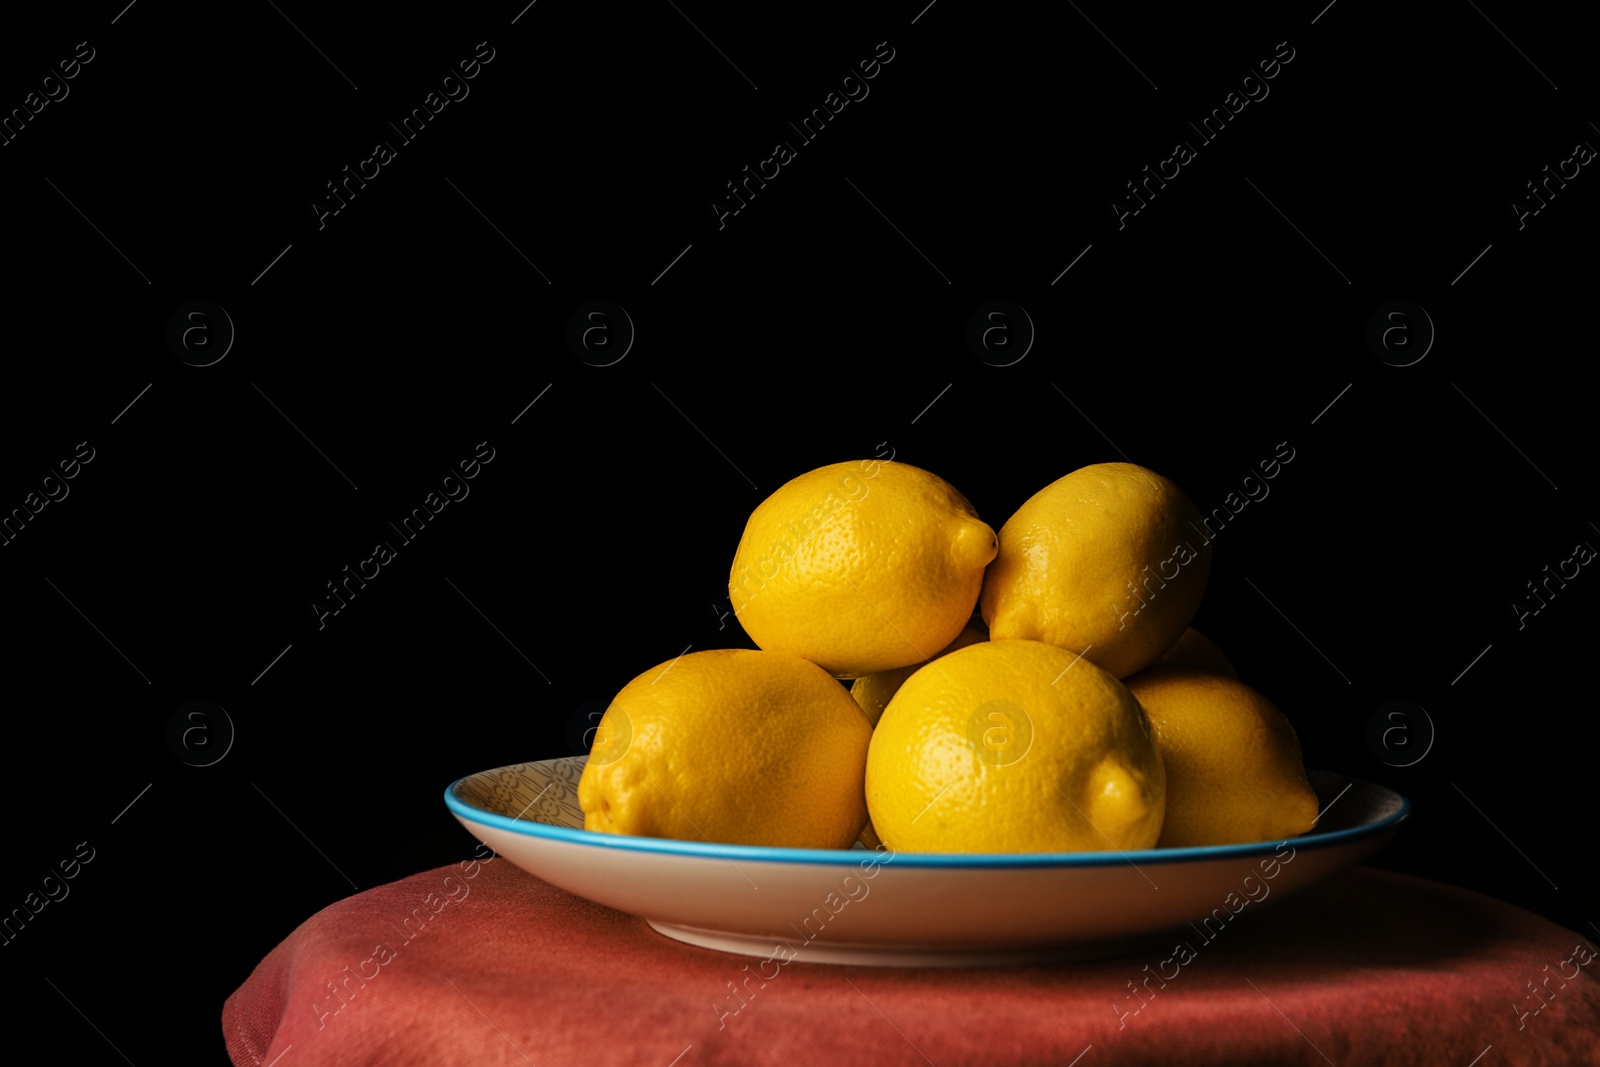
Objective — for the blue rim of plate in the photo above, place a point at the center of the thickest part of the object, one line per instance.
(851, 857)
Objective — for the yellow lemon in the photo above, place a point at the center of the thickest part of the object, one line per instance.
(1014, 746)
(1195, 649)
(874, 691)
(734, 746)
(1234, 769)
(860, 567)
(1109, 560)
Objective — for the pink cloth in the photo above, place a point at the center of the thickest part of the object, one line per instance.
(482, 964)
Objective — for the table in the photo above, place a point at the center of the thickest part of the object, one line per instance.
(481, 963)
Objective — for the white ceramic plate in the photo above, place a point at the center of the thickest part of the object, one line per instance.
(926, 909)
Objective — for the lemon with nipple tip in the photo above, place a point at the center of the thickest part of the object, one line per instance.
(1103, 561)
(1014, 746)
(860, 567)
(1235, 774)
(732, 746)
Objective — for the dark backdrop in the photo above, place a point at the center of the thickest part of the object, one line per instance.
(1434, 472)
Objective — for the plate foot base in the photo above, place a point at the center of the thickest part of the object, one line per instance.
(871, 954)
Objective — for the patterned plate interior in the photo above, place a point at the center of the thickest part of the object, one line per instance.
(544, 792)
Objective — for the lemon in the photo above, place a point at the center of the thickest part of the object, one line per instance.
(1109, 561)
(733, 746)
(1195, 649)
(873, 691)
(860, 567)
(1234, 768)
(1014, 746)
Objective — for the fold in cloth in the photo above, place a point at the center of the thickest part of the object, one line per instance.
(482, 964)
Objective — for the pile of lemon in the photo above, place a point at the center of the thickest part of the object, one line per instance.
(1039, 690)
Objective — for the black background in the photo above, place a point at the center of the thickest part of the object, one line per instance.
(825, 321)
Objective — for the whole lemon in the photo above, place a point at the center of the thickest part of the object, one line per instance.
(1234, 769)
(1014, 746)
(733, 746)
(860, 567)
(1110, 561)
(1195, 649)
